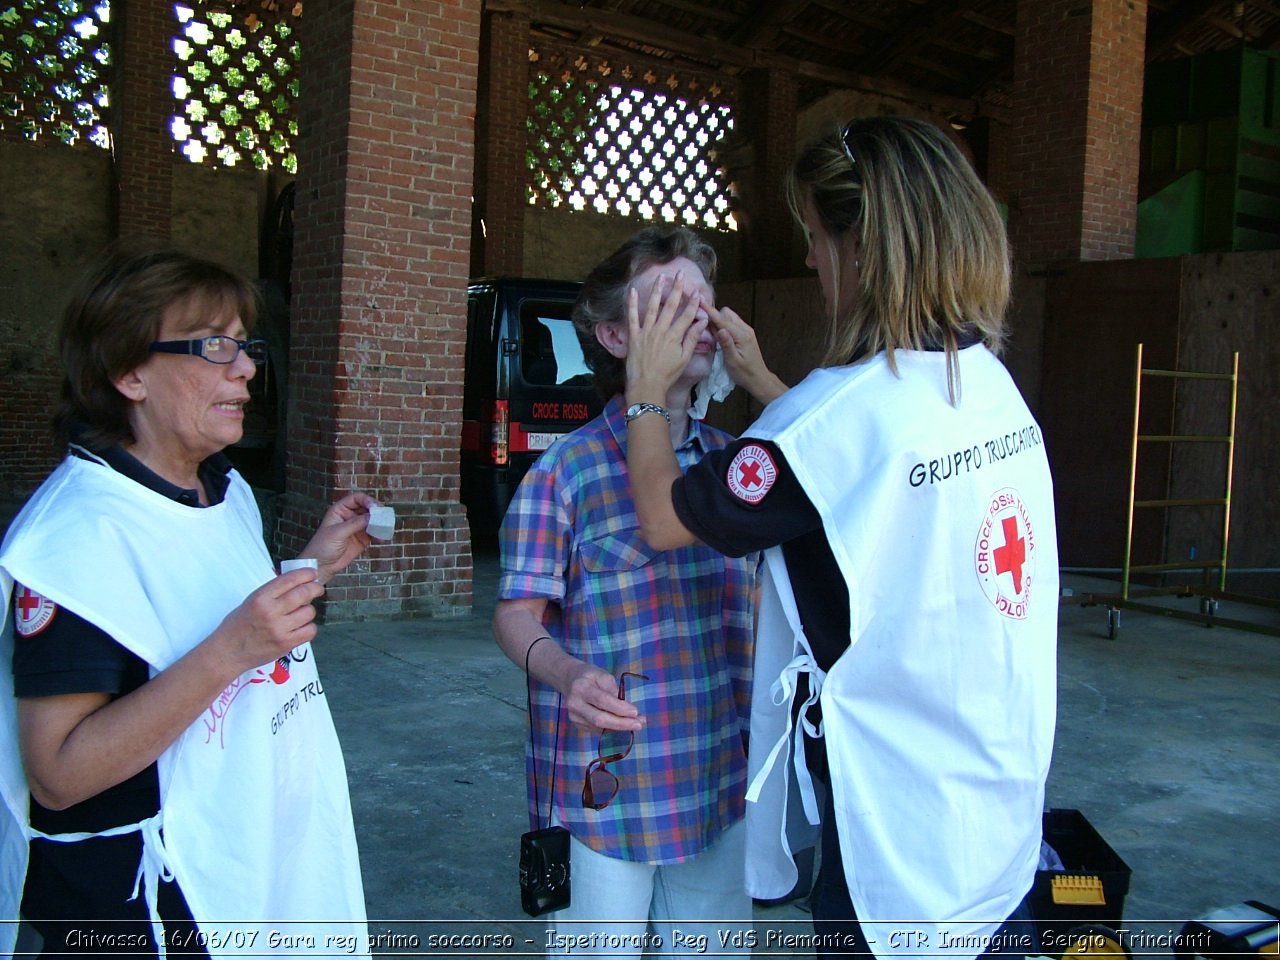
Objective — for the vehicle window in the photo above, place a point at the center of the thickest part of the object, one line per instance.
(480, 360)
(549, 351)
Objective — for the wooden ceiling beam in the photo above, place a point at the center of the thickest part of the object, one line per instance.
(913, 33)
(995, 26)
(761, 31)
(586, 21)
(1179, 18)
(1227, 27)
(703, 10)
(823, 41)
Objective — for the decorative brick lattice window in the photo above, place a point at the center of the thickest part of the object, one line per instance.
(611, 139)
(54, 61)
(236, 82)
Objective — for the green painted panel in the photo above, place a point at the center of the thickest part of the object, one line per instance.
(1171, 221)
(1259, 87)
(1246, 239)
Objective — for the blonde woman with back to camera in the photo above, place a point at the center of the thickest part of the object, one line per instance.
(905, 660)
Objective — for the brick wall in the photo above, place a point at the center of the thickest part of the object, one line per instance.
(143, 98)
(1116, 74)
(63, 204)
(382, 230)
(498, 220)
(1073, 158)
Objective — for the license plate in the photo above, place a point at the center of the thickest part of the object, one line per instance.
(540, 441)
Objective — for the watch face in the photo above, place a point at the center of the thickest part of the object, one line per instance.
(636, 409)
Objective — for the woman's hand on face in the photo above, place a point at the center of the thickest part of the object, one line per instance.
(742, 357)
(341, 536)
(274, 619)
(591, 697)
(737, 341)
(661, 337)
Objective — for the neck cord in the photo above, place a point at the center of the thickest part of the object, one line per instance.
(533, 749)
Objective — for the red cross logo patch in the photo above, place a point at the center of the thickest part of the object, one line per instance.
(1005, 553)
(32, 612)
(751, 474)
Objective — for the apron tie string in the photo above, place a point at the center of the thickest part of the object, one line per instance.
(153, 867)
(782, 692)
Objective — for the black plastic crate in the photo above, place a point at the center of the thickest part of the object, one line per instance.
(1089, 891)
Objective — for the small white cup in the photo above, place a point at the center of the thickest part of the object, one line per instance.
(382, 523)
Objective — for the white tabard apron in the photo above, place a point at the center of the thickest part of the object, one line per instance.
(253, 795)
(938, 719)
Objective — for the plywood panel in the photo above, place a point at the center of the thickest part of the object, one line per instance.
(1231, 303)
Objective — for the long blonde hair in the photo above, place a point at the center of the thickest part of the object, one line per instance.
(933, 268)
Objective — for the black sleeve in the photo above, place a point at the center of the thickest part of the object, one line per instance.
(743, 498)
(71, 655)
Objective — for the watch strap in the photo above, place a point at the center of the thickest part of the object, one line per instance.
(640, 409)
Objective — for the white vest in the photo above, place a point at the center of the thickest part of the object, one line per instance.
(253, 795)
(939, 717)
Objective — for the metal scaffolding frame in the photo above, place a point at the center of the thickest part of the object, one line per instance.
(1213, 585)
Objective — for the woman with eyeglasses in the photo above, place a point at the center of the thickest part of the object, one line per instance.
(902, 494)
(168, 761)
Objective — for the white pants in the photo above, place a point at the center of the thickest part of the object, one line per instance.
(693, 906)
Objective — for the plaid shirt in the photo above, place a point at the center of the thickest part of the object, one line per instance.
(682, 617)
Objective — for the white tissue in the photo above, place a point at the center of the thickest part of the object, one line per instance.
(382, 523)
(299, 563)
(716, 386)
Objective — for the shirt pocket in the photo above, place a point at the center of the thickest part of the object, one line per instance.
(626, 589)
(616, 553)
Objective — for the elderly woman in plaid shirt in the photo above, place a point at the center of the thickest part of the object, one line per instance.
(639, 658)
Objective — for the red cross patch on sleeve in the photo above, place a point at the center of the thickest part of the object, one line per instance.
(751, 474)
(31, 612)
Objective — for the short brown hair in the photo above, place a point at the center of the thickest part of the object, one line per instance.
(113, 316)
(603, 298)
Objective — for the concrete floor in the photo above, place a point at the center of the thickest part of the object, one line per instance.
(1167, 743)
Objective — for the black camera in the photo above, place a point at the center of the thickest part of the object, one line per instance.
(544, 871)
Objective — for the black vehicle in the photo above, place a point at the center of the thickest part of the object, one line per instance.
(526, 383)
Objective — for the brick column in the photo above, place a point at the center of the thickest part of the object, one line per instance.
(382, 234)
(767, 109)
(1073, 162)
(498, 214)
(143, 95)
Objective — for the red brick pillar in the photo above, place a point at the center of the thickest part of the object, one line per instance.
(498, 215)
(767, 110)
(1073, 162)
(143, 95)
(382, 234)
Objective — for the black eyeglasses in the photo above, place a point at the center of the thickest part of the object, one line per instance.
(214, 349)
(848, 150)
(601, 786)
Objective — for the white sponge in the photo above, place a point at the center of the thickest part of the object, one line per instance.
(382, 523)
